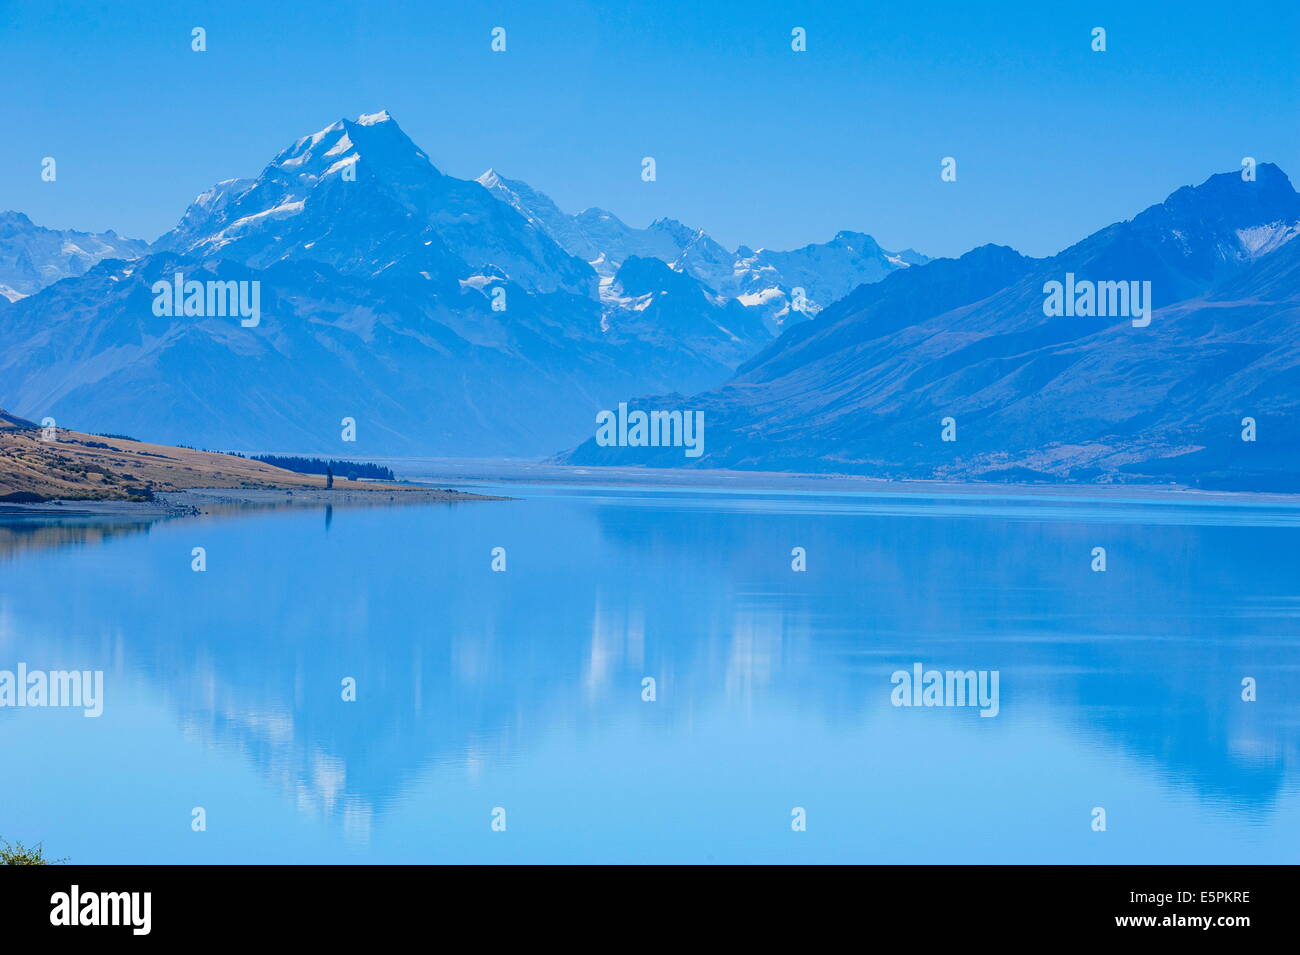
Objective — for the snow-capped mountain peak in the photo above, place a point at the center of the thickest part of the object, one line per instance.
(765, 278)
(360, 196)
(32, 257)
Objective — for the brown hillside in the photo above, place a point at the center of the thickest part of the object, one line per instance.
(76, 466)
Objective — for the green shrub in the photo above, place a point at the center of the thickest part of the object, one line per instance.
(18, 854)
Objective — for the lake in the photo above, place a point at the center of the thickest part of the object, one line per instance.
(518, 696)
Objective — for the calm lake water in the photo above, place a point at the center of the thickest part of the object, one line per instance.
(523, 689)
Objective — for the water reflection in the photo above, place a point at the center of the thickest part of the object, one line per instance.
(461, 670)
(21, 534)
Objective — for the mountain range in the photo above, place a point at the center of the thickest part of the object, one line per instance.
(825, 272)
(451, 317)
(32, 257)
(445, 316)
(1206, 394)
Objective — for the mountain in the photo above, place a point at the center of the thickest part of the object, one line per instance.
(13, 421)
(826, 272)
(381, 281)
(423, 369)
(1036, 397)
(605, 241)
(663, 308)
(764, 279)
(442, 320)
(32, 257)
(361, 197)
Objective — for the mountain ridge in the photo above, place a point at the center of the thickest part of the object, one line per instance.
(866, 387)
(761, 278)
(33, 257)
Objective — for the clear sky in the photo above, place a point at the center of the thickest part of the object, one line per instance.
(755, 143)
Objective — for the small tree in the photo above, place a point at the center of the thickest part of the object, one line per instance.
(329, 477)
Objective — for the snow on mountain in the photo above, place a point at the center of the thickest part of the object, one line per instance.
(32, 257)
(866, 387)
(423, 369)
(363, 198)
(541, 212)
(826, 272)
(449, 322)
(765, 279)
(659, 305)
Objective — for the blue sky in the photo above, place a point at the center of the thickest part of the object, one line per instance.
(754, 143)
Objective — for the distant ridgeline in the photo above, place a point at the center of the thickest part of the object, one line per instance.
(348, 469)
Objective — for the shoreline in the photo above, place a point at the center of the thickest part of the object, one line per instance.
(193, 502)
(469, 472)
